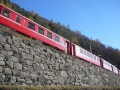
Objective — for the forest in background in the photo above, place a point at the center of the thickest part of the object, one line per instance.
(108, 53)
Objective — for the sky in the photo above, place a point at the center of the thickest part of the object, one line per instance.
(96, 19)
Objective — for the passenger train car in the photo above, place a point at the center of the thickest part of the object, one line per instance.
(22, 24)
(107, 65)
(86, 55)
(27, 27)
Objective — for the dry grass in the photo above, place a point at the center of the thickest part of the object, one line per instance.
(57, 88)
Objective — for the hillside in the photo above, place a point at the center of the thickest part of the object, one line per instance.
(108, 53)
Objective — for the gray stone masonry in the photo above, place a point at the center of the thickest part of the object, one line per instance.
(26, 63)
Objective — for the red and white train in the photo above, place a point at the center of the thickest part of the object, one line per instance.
(24, 25)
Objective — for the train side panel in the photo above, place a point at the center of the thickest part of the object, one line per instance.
(107, 65)
(114, 69)
(29, 28)
(84, 55)
(119, 72)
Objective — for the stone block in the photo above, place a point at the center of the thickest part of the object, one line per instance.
(1, 69)
(2, 77)
(34, 76)
(29, 62)
(1, 57)
(12, 79)
(24, 74)
(18, 66)
(29, 82)
(42, 66)
(10, 64)
(14, 59)
(20, 80)
(41, 79)
(7, 47)
(8, 71)
(2, 63)
(63, 74)
(9, 41)
(61, 80)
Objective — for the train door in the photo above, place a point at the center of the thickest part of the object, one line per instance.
(0, 9)
(69, 47)
(101, 62)
(65, 47)
(73, 49)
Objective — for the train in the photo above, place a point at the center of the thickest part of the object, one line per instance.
(23, 25)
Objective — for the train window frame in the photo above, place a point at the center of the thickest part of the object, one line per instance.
(40, 30)
(114, 68)
(63, 42)
(49, 34)
(106, 63)
(91, 55)
(57, 38)
(94, 57)
(81, 50)
(78, 49)
(31, 25)
(6, 13)
(84, 52)
(88, 54)
(18, 19)
(98, 59)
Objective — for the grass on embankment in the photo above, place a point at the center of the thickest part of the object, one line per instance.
(57, 88)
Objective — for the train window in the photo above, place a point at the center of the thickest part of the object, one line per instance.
(107, 63)
(77, 48)
(94, 57)
(98, 59)
(84, 52)
(18, 19)
(88, 54)
(6, 13)
(31, 26)
(114, 68)
(91, 55)
(81, 50)
(57, 38)
(49, 35)
(40, 30)
(63, 42)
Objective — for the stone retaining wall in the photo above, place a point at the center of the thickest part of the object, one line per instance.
(26, 63)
